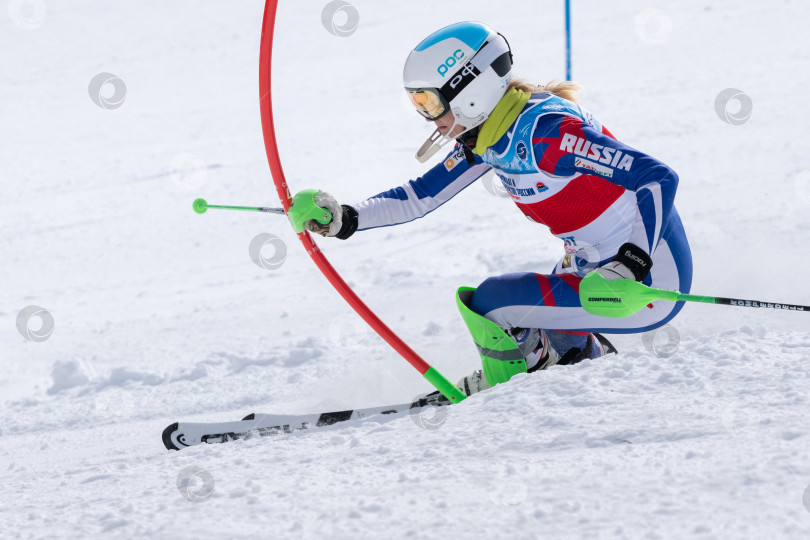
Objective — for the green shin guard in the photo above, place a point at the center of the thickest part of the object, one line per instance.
(500, 356)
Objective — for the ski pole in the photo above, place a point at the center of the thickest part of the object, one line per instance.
(304, 210)
(625, 297)
(200, 206)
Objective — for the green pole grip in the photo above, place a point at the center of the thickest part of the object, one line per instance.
(448, 389)
(618, 298)
(303, 208)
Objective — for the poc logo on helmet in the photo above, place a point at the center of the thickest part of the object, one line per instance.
(466, 70)
(450, 62)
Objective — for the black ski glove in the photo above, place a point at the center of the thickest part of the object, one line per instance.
(631, 262)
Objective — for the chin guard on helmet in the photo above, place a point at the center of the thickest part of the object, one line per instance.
(436, 141)
(430, 147)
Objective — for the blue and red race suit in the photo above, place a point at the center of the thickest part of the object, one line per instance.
(566, 171)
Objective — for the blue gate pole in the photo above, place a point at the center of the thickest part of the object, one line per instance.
(567, 40)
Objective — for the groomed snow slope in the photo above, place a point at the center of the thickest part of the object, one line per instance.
(160, 315)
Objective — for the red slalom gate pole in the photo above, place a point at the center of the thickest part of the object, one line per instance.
(441, 383)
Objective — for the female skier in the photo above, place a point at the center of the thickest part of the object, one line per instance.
(611, 205)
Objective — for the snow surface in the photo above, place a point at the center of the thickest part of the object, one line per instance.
(160, 314)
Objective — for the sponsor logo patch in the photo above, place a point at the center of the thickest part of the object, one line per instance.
(521, 151)
(595, 167)
(514, 191)
(570, 244)
(454, 160)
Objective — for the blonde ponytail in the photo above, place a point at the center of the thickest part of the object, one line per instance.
(569, 90)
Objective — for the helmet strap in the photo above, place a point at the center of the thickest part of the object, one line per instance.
(468, 139)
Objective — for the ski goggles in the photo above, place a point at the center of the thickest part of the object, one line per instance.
(429, 102)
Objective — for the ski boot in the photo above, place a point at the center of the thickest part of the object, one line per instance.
(540, 347)
(537, 347)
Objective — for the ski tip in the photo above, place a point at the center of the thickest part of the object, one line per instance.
(251, 416)
(167, 437)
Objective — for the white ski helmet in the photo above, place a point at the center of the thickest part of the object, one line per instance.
(464, 68)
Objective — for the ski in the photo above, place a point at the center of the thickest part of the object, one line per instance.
(184, 434)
